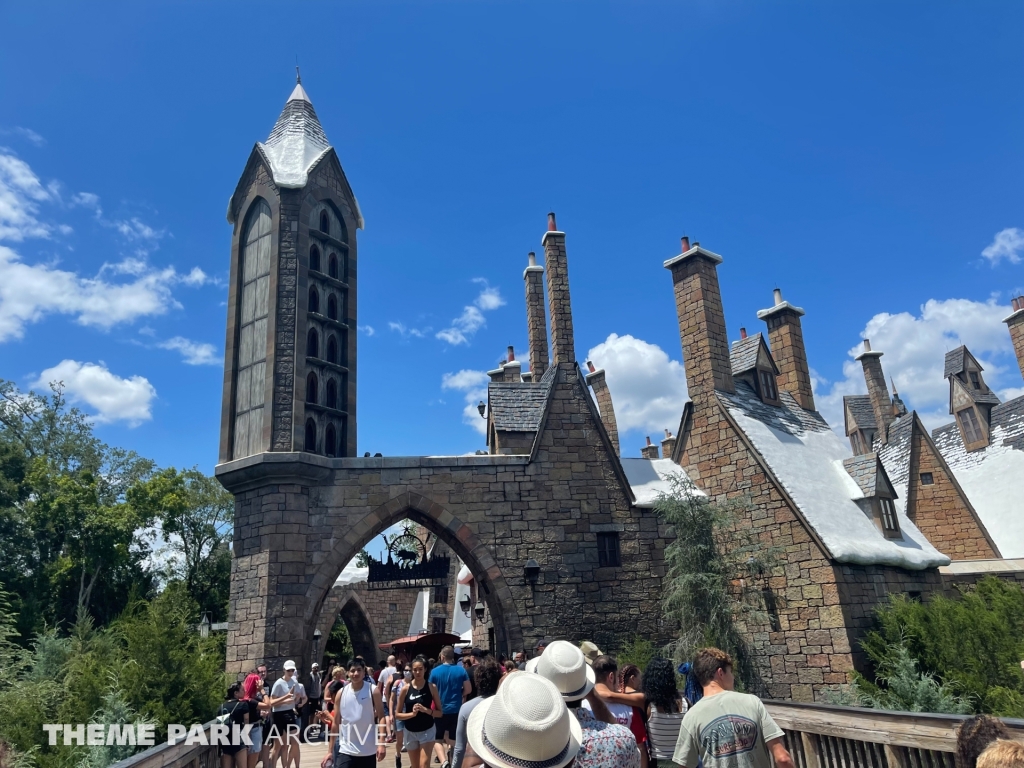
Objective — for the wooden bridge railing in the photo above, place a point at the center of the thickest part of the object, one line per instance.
(824, 736)
(176, 755)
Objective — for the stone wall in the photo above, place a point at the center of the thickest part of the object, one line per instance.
(386, 614)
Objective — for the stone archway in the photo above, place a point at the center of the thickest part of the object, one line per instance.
(360, 628)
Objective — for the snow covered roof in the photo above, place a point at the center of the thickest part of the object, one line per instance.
(991, 476)
(352, 574)
(895, 456)
(650, 477)
(806, 457)
(297, 141)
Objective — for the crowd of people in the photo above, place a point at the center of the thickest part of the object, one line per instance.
(567, 706)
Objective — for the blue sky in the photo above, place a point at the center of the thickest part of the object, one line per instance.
(862, 156)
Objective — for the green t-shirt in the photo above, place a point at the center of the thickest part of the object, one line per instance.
(727, 730)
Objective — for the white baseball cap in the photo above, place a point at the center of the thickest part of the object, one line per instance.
(289, 664)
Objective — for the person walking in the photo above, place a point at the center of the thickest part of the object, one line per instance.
(726, 729)
(454, 687)
(605, 743)
(486, 677)
(252, 690)
(387, 674)
(314, 689)
(665, 707)
(285, 727)
(419, 705)
(234, 712)
(358, 711)
(398, 682)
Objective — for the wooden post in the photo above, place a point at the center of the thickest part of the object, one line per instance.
(895, 756)
(812, 750)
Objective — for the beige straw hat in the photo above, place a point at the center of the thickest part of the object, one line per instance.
(590, 651)
(524, 725)
(563, 664)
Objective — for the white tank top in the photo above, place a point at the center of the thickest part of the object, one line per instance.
(357, 729)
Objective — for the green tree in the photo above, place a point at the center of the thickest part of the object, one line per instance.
(717, 576)
(339, 644)
(195, 515)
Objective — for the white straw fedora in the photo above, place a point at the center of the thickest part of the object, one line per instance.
(524, 725)
(564, 665)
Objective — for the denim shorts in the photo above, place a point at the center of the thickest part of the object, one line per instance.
(256, 737)
(399, 724)
(414, 739)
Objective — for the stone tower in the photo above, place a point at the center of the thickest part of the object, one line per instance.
(290, 353)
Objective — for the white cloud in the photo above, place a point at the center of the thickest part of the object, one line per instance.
(135, 230)
(196, 278)
(914, 348)
(648, 389)
(472, 318)
(404, 332)
(113, 398)
(193, 352)
(25, 133)
(1008, 244)
(87, 200)
(473, 385)
(20, 195)
(367, 329)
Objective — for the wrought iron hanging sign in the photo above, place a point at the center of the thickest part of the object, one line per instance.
(408, 566)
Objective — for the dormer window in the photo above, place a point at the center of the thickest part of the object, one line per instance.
(970, 426)
(975, 380)
(769, 390)
(890, 525)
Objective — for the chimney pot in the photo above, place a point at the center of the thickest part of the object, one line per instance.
(778, 296)
(511, 353)
(648, 439)
(668, 433)
(552, 227)
(696, 244)
(590, 366)
(531, 258)
(685, 242)
(867, 345)
(743, 333)
(1016, 304)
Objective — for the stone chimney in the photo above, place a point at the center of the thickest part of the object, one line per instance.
(498, 374)
(668, 445)
(512, 367)
(786, 341)
(604, 403)
(881, 403)
(701, 321)
(556, 262)
(1015, 322)
(536, 323)
(649, 451)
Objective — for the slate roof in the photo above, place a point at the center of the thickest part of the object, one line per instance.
(989, 398)
(743, 355)
(895, 456)
(991, 476)
(517, 406)
(806, 457)
(864, 471)
(862, 411)
(954, 362)
(296, 142)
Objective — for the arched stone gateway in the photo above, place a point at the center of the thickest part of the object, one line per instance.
(547, 523)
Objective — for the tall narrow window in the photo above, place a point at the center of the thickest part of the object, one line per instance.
(332, 349)
(325, 223)
(890, 524)
(251, 360)
(314, 300)
(330, 441)
(314, 258)
(970, 425)
(768, 388)
(975, 380)
(608, 550)
(312, 343)
(332, 394)
(332, 266)
(310, 436)
(332, 307)
(311, 388)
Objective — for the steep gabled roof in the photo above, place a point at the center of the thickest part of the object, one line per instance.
(805, 457)
(296, 142)
(986, 396)
(991, 476)
(954, 362)
(869, 474)
(895, 456)
(744, 354)
(860, 408)
(517, 406)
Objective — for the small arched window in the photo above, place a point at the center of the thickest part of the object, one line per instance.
(312, 343)
(325, 223)
(332, 394)
(314, 258)
(332, 307)
(330, 441)
(332, 349)
(314, 300)
(332, 266)
(310, 435)
(311, 388)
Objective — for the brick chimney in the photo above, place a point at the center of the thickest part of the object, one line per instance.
(649, 451)
(1015, 322)
(512, 367)
(881, 403)
(668, 445)
(555, 260)
(604, 403)
(786, 341)
(536, 323)
(701, 321)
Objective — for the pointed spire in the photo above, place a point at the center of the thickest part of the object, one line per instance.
(297, 141)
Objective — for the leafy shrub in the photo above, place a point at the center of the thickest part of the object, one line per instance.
(637, 651)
